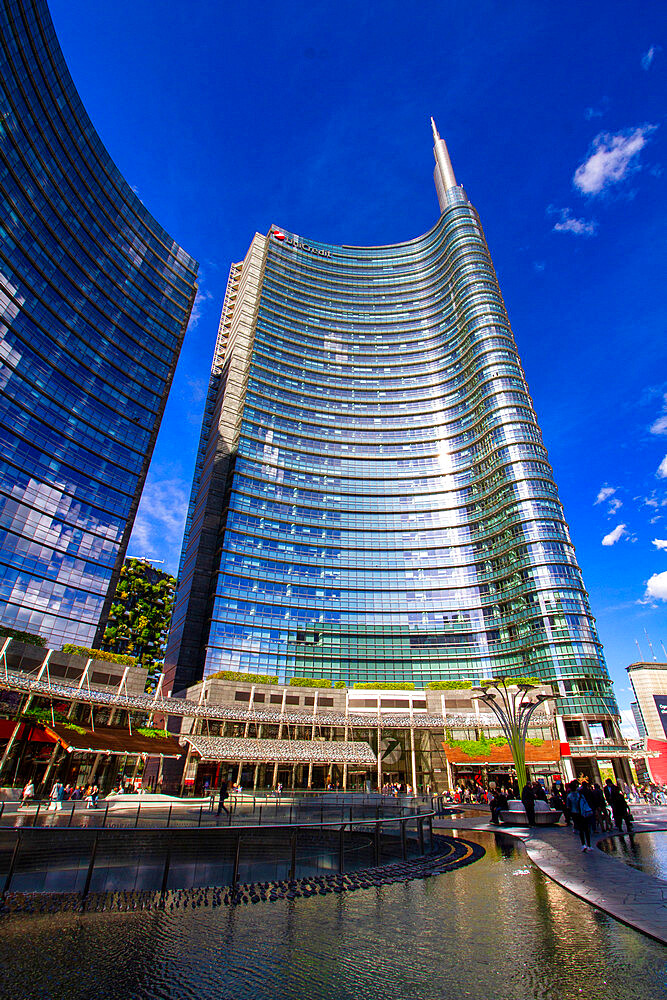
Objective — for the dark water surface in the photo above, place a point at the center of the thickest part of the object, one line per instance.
(495, 929)
(647, 851)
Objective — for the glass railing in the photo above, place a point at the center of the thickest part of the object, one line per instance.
(187, 844)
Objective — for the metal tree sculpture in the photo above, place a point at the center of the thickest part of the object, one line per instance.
(514, 710)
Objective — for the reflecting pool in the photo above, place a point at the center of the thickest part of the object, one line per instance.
(495, 929)
(646, 851)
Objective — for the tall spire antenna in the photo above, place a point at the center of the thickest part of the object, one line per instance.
(443, 175)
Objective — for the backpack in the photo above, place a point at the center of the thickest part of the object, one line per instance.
(584, 808)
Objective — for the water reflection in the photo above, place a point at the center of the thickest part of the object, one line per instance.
(646, 851)
(495, 929)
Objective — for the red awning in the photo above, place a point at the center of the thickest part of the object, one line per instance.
(105, 739)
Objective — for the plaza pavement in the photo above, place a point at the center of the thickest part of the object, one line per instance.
(631, 896)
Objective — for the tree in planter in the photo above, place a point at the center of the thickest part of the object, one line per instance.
(140, 616)
(514, 710)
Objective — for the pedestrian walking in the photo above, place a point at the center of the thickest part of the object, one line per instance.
(608, 789)
(28, 793)
(224, 795)
(620, 809)
(56, 796)
(582, 812)
(602, 820)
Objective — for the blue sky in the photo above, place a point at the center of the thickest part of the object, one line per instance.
(227, 118)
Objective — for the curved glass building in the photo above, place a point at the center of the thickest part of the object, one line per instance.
(373, 500)
(94, 300)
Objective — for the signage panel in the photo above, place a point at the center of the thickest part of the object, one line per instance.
(661, 707)
(297, 244)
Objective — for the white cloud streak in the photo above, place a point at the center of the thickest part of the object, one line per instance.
(628, 725)
(662, 469)
(659, 426)
(568, 224)
(660, 543)
(604, 493)
(201, 298)
(158, 527)
(614, 535)
(648, 57)
(612, 159)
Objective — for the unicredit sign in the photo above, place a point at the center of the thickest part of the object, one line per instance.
(288, 241)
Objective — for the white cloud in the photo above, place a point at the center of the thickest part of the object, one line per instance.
(648, 57)
(651, 501)
(628, 725)
(158, 527)
(659, 426)
(568, 224)
(198, 388)
(201, 297)
(660, 543)
(612, 158)
(614, 535)
(604, 493)
(656, 587)
(614, 505)
(662, 469)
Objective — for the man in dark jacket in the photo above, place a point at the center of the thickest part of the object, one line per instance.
(559, 794)
(224, 795)
(609, 786)
(528, 799)
(620, 809)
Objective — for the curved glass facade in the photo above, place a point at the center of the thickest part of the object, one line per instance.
(94, 301)
(387, 510)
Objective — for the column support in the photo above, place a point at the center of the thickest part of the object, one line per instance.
(280, 735)
(379, 736)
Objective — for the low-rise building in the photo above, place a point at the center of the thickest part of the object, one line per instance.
(262, 733)
(649, 682)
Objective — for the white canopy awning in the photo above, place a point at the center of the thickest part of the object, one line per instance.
(283, 751)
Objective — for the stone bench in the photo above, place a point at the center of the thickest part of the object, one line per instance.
(516, 814)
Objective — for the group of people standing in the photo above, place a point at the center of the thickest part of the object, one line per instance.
(396, 788)
(587, 807)
(63, 793)
(584, 806)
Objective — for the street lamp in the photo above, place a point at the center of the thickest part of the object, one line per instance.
(514, 710)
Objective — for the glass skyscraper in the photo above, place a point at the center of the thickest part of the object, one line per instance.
(94, 300)
(372, 498)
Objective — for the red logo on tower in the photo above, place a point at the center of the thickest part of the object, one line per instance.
(278, 235)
